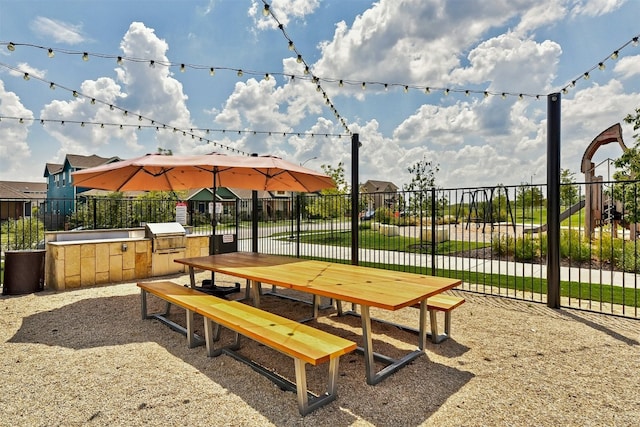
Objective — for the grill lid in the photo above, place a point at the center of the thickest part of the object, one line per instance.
(160, 229)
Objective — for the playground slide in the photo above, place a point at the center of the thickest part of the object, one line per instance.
(563, 215)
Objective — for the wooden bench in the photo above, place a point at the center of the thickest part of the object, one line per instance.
(446, 304)
(305, 344)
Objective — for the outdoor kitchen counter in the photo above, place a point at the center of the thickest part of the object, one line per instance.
(80, 263)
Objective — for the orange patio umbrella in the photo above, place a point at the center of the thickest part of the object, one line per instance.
(184, 172)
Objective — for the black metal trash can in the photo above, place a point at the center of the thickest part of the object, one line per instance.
(23, 272)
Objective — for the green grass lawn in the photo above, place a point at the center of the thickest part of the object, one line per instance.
(374, 240)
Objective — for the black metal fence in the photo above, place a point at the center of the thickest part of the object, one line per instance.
(492, 238)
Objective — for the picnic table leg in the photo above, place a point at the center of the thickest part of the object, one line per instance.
(367, 345)
(256, 287)
(422, 325)
(192, 277)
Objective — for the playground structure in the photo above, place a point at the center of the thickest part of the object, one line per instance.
(595, 207)
(598, 212)
(481, 209)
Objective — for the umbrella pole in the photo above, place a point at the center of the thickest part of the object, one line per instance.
(213, 224)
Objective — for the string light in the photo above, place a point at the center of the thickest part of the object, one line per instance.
(291, 46)
(152, 64)
(239, 73)
(52, 86)
(265, 10)
(182, 68)
(85, 56)
(75, 94)
(119, 60)
(26, 76)
(212, 71)
(602, 66)
(50, 53)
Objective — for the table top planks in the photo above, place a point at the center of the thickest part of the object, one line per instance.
(387, 289)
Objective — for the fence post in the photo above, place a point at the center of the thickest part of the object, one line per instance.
(553, 200)
(355, 192)
(433, 231)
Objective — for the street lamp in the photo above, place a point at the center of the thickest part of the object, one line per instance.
(308, 160)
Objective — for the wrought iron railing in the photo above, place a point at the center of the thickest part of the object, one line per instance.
(492, 238)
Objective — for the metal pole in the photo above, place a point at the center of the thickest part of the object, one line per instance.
(355, 190)
(254, 217)
(553, 200)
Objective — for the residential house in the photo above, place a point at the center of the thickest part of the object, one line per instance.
(272, 205)
(19, 199)
(61, 192)
(379, 194)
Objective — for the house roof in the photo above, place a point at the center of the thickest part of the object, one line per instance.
(22, 189)
(52, 168)
(380, 185)
(78, 161)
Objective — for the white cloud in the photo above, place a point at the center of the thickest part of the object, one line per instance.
(628, 67)
(14, 149)
(596, 7)
(284, 10)
(57, 31)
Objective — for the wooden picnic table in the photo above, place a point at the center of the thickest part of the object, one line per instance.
(368, 287)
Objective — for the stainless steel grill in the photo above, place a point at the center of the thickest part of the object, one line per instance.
(168, 242)
(166, 236)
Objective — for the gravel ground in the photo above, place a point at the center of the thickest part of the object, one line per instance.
(85, 357)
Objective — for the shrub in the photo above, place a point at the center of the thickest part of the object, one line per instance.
(23, 233)
(574, 247)
(526, 248)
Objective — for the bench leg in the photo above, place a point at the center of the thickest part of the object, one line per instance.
(437, 338)
(212, 334)
(306, 406)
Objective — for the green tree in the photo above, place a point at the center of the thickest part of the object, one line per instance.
(568, 188)
(423, 179)
(628, 172)
(332, 202)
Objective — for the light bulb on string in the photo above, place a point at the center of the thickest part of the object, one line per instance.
(364, 85)
(486, 94)
(406, 89)
(111, 107)
(602, 66)
(21, 120)
(152, 64)
(50, 53)
(504, 95)
(52, 86)
(266, 76)
(125, 113)
(299, 59)
(614, 55)
(586, 76)
(119, 60)
(306, 69)
(341, 83)
(239, 73)
(93, 101)
(212, 71)
(446, 91)
(291, 46)
(427, 90)
(521, 97)
(265, 10)
(565, 91)
(26, 76)
(85, 56)
(182, 68)
(634, 41)
(82, 124)
(11, 47)
(466, 92)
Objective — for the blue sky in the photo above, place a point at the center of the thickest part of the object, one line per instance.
(533, 48)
